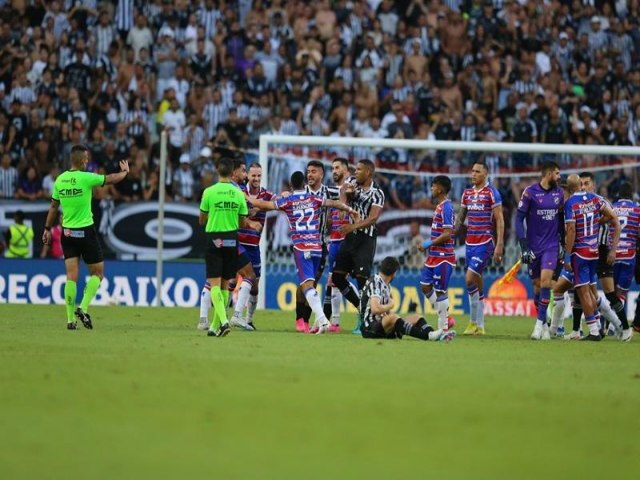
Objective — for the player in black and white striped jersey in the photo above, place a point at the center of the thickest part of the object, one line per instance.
(612, 310)
(356, 253)
(376, 307)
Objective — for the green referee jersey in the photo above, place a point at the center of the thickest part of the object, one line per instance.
(224, 203)
(73, 190)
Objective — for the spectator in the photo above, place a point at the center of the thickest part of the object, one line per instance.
(184, 182)
(8, 177)
(30, 185)
(18, 238)
(175, 122)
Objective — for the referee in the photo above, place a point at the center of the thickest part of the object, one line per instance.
(355, 256)
(72, 191)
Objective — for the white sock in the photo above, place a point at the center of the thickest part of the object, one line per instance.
(251, 308)
(474, 301)
(432, 297)
(336, 305)
(205, 302)
(243, 297)
(316, 306)
(480, 312)
(558, 312)
(607, 312)
(442, 307)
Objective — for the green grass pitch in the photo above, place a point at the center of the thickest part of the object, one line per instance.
(146, 395)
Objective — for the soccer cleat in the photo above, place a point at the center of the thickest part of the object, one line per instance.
(545, 332)
(592, 338)
(72, 326)
(559, 332)
(447, 336)
(252, 325)
(84, 318)
(626, 335)
(574, 335)
(225, 329)
(451, 322)
(471, 329)
(212, 333)
(203, 324)
(323, 328)
(357, 331)
(302, 326)
(537, 332)
(334, 328)
(239, 322)
(313, 330)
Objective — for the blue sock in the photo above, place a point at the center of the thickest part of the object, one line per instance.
(543, 304)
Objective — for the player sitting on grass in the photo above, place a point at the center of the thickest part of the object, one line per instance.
(376, 304)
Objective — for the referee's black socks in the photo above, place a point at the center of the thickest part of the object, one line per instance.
(618, 307)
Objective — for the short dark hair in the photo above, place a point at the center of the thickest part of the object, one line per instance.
(237, 163)
(482, 164)
(19, 216)
(254, 165)
(225, 166)
(297, 180)
(368, 163)
(77, 152)
(587, 175)
(389, 266)
(316, 163)
(626, 190)
(548, 166)
(342, 160)
(443, 181)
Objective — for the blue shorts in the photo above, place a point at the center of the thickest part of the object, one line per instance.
(308, 264)
(437, 276)
(545, 260)
(253, 254)
(584, 271)
(333, 253)
(479, 256)
(623, 271)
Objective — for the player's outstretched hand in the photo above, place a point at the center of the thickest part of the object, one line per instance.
(46, 237)
(124, 166)
(257, 226)
(497, 255)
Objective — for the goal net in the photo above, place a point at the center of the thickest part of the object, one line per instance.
(404, 170)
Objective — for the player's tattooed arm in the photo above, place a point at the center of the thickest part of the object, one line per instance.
(462, 216)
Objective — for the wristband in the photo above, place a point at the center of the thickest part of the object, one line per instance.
(48, 229)
(427, 244)
(567, 258)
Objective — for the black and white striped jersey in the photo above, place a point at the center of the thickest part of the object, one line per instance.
(330, 193)
(375, 287)
(603, 231)
(363, 200)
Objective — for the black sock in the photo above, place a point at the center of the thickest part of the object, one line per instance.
(299, 310)
(618, 307)
(577, 316)
(306, 313)
(636, 318)
(420, 330)
(327, 302)
(340, 281)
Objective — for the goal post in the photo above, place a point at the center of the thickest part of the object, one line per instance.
(283, 142)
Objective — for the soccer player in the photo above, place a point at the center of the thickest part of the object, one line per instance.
(355, 256)
(483, 205)
(337, 219)
(303, 211)
(222, 210)
(628, 213)
(250, 241)
(583, 212)
(441, 258)
(540, 239)
(376, 304)
(72, 191)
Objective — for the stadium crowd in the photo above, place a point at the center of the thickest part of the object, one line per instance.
(218, 74)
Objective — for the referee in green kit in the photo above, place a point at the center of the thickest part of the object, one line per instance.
(72, 192)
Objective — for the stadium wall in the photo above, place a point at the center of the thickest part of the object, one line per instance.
(132, 283)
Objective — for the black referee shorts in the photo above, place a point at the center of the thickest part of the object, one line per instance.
(221, 257)
(82, 242)
(356, 255)
(603, 269)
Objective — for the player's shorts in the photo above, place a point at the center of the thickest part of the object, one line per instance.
(252, 252)
(221, 257)
(355, 255)
(375, 330)
(334, 247)
(243, 258)
(308, 264)
(584, 271)
(603, 269)
(568, 276)
(323, 261)
(437, 276)
(545, 260)
(479, 256)
(623, 271)
(82, 242)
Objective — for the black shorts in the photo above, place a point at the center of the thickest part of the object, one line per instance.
(375, 330)
(323, 262)
(603, 269)
(82, 242)
(243, 259)
(356, 255)
(221, 257)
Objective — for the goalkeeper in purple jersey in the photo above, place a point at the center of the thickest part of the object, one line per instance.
(540, 229)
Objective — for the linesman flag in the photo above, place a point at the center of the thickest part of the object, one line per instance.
(511, 274)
